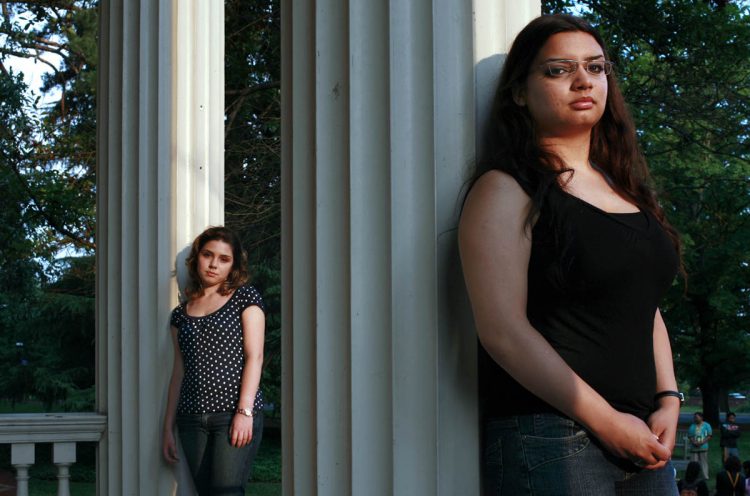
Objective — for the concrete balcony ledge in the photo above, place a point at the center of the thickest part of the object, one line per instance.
(51, 427)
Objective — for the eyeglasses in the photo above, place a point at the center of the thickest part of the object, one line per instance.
(565, 68)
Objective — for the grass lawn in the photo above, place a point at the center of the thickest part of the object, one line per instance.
(21, 407)
(49, 488)
(263, 489)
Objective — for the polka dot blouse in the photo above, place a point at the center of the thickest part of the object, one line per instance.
(211, 348)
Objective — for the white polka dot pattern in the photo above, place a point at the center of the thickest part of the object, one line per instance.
(211, 348)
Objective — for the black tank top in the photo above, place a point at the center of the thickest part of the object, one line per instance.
(594, 283)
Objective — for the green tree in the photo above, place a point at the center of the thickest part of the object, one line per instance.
(684, 68)
(47, 186)
(252, 158)
(56, 171)
(18, 273)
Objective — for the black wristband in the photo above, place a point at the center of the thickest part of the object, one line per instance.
(676, 394)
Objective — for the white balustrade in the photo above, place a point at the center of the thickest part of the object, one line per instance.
(63, 430)
(22, 458)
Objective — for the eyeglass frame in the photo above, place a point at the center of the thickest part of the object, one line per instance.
(608, 66)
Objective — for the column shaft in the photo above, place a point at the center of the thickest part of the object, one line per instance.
(300, 214)
(160, 182)
(370, 257)
(332, 324)
(380, 103)
(413, 268)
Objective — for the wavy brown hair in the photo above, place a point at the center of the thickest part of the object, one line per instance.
(513, 146)
(239, 274)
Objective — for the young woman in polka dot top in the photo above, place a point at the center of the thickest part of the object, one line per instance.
(214, 396)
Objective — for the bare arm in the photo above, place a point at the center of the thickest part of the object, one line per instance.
(253, 339)
(169, 446)
(663, 421)
(495, 248)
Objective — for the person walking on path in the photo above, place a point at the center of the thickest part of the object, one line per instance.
(730, 482)
(746, 470)
(730, 431)
(700, 434)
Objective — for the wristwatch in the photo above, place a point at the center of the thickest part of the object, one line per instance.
(676, 394)
(247, 412)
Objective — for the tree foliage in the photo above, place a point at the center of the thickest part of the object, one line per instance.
(47, 186)
(55, 170)
(47, 182)
(253, 158)
(684, 67)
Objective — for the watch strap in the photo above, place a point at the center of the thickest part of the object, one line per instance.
(676, 394)
(247, 412)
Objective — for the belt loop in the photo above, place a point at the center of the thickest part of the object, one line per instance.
(526, 424)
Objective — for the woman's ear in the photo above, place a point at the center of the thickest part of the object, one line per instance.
(519, 96)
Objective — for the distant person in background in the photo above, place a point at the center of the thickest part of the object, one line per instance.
(730, 482)
(730, 431)
(700, 434)
(746, 469)
(692, 484)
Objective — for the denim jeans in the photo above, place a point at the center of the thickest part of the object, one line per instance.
(550, 455)
(217, 467)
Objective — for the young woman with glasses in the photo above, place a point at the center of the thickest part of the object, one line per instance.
(566, 255)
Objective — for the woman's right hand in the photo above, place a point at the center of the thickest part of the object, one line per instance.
(169, 447)
(629, 437)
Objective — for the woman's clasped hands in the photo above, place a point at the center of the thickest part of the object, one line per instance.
(647, 445)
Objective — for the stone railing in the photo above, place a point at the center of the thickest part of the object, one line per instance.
(23, 430)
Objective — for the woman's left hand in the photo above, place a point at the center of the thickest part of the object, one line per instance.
(241, 430)
(663, 423)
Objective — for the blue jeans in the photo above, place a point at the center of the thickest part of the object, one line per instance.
(550, 455)
(217, 467)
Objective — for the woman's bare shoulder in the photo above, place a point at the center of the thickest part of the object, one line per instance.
(495, 178)
(496, 195)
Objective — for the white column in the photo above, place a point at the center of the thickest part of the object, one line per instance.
(370, 211)
(380, 103)
(496, 24)
(160, 182)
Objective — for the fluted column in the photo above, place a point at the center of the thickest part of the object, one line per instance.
(380, 106)
(160, 181)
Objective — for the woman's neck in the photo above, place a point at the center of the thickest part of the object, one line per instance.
(210, 291)
(573, 150)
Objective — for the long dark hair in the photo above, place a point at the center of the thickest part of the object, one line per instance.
(513, 146)
(692, 472)
(237, 276)
(732, 464)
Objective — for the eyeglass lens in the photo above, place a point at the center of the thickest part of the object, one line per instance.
(566, 67)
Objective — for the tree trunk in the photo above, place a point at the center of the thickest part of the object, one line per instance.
(710, 403)
(724, 400)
